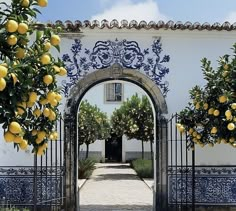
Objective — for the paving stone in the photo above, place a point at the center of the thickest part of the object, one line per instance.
(115, 187)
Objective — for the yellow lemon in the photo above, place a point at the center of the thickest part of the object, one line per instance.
(41, 135)
(2, 84)
(181, 128)
(233, 106)
(58, 97)
(191, 130)
(14, 78)
(214, 130)
(21, 106)
(211, 111)
(30, 104)
(54, 135)
(52, 116)
(22, 28)
(42, 3)
(197, 106)
(228, 113)
(205, 106)
(11, 26)
(231, 126)
(4, 65)
(53, 102)
(37, 112)
(20, 53)
(199, 136)
(223, 99)
(8, 136)
(3, 71)
(38, 141)
(14, 127)
(47, 46)
(63, 71)
(40, 150)
(225, 73)
(226, 67)
(216, 112)
(45, 145)
(24, 144)
(178, 125)
(33, 97)
(43, 101)
(56, 69)
(34, 132)
(47, 79)
(51, 96)
(25, 3)
(45, 59)
(18, 139)
(46, 112)
(12, 40)
(55, 40)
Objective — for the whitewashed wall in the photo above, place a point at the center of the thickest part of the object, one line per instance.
(186, 49)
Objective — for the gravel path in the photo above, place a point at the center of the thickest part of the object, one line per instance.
(115, 187)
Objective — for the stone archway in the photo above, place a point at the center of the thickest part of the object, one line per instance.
(115, 72)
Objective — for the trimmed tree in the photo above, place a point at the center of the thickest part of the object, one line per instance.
(93, 125)
(134, 119)
(211, 115)
(29, 96)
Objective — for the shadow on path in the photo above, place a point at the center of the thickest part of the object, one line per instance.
(118, 176)
(98, 207)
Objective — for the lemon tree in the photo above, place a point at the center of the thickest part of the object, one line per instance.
(93, 124)
(134, 119)
(29, 96)
(210, 117)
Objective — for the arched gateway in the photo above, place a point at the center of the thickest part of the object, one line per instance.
(115, 72)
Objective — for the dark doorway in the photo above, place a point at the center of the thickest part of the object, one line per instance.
(113, 149)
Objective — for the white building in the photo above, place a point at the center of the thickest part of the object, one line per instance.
(165, 59)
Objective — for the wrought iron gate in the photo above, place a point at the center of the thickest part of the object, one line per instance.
(36, 187)
(181, 169)
(175, 169)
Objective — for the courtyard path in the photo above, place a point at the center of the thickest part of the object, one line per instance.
(115, 187)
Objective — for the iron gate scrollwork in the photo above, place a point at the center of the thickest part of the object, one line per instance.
(36, 187)
(176, 168)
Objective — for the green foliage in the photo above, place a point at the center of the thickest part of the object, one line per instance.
(211, 115)
(93, 124)
(143, 168)
(86, 167)
(25, 75)
(134, 119)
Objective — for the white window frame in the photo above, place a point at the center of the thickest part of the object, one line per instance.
(106, 94)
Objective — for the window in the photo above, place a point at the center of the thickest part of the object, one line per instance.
(113, 92)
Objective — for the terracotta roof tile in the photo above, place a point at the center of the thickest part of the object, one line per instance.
(171, 25)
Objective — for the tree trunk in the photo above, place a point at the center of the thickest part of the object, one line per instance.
(87, 150)
(151, 147)
(142, 149)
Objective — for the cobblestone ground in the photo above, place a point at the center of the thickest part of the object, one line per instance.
(115, 187)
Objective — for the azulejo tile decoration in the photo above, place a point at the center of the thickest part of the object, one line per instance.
(128, 54)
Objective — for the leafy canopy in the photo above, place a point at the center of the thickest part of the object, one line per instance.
(29, 96)
(210, 117)
(93, 124)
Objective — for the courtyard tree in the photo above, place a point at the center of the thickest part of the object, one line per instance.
(210, 117)
(93, 125)
(135, 119)
(29, 96)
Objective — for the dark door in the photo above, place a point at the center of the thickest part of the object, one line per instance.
(113, 149)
